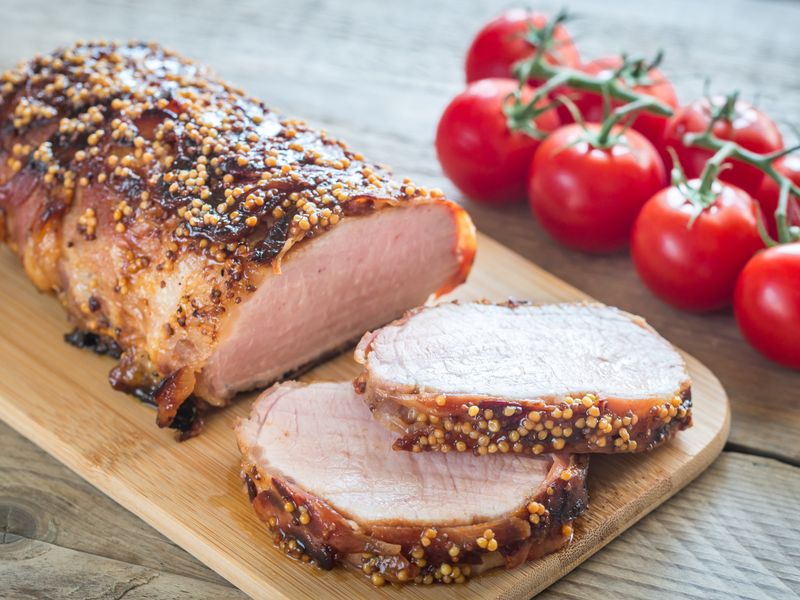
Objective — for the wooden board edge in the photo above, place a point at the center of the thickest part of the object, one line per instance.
(586, 546)
(148, 511)
(693, 469)
(558, 564)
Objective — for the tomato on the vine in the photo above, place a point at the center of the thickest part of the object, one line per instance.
(651, 82)
(767, 303)
(694, 267)
(744, 124)
(587, 195)
(476, 149)
(769, 194)
(501, 43)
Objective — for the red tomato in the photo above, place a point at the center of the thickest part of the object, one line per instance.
(767, 303)
(749, 127)
(649, 125)
(501, 43)
(478, 152)
(769, 194)
(588, 197)
(695, 268)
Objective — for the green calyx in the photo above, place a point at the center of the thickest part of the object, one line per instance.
(704, 195)
(609, 134)
(521, 115)
(636, 72)
(725, 111)
(764, 162)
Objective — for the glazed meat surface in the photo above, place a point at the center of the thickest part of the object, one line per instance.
(210, 243)
(316, 450)
(572, 377)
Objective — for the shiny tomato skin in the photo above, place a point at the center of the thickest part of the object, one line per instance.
(649, 125)
(769, 194)
(501, 43)
(588, 198)
(767, 303)
(477, 151)
(695, 268)
(750, 128)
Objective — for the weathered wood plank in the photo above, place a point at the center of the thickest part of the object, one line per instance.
(41, 500)
(36, 570)
(733, 533)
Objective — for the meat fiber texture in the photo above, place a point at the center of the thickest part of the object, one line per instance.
(209, 243)
(524, 379)
(321, 473)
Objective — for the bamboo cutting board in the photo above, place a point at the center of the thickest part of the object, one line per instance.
(58, 397)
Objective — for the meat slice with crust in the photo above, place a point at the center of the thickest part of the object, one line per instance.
(209, 243)
(524, 379)
(321, 473)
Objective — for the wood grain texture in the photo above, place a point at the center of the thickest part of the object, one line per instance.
(33, 570)
(58, 397)
(744, 546)
(43, 501)
(729, 555)
(379, 75)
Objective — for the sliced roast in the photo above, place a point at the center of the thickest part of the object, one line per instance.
(518, 378)
(363, 273)
(208, 242)
(321, 473)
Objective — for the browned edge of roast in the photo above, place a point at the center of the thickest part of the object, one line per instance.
(308, 529)
(484, 425)
(583, 422)
(117, 154)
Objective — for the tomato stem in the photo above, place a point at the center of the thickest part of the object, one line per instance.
(702, 195)
(712, 168)
(725, 111)
(764, 162)
(538, 69)
(636, 72)
(604, 138)
(781, 153)
(784, 235)
(521, 114)
(762, 231)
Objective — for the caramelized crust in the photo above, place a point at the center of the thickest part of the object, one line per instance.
(308, 529)
(151, 198)
(583, 421)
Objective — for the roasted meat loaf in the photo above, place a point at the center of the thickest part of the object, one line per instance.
(396, 516)
(209, 243)
(524, 379)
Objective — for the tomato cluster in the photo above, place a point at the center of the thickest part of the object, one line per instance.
(597, 181)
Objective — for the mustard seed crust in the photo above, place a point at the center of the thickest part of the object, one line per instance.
(582, 422)
(228, 176)
(152, 198)
(310, 530)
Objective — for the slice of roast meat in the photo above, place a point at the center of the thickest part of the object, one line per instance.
(321, 473)
(524, 379)
(212, 242)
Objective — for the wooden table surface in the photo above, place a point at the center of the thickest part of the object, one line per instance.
(379, 74)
